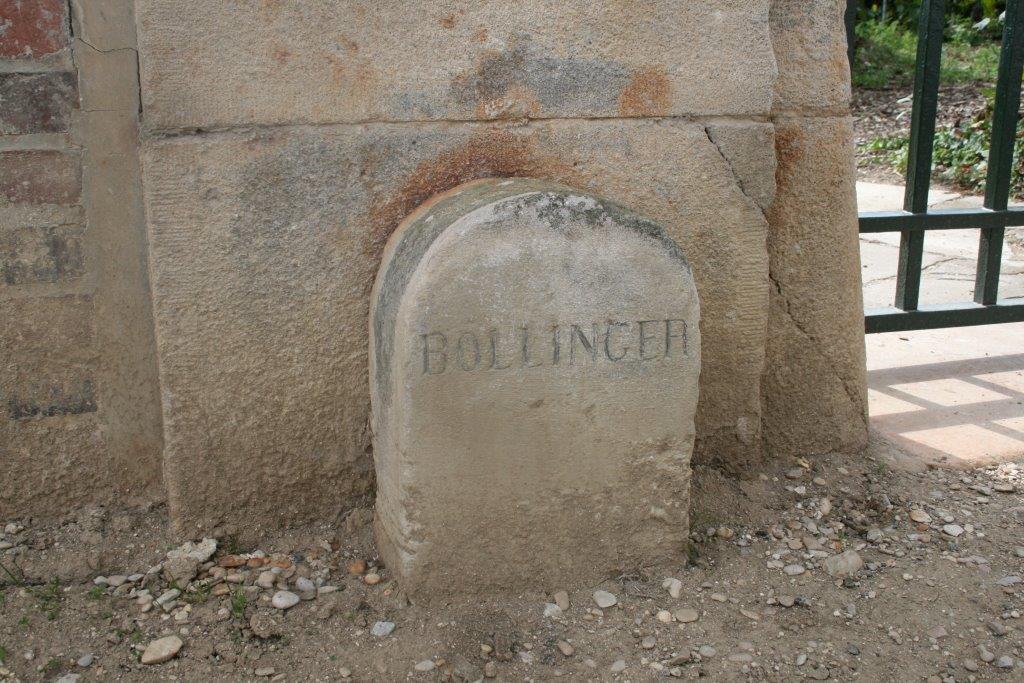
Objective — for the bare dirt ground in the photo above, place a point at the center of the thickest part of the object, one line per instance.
(929, 588)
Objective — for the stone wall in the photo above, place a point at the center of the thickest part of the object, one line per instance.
(281, 145)
(79, 410)
(814, 388)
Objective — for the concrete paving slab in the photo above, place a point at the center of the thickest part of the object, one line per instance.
(952, 397)
(884, 197)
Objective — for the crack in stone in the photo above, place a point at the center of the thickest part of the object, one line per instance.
(735, 174)
(851, 394)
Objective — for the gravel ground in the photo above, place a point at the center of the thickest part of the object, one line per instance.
(837, 568)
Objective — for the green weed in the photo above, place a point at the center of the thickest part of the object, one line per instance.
(49, 597)
(238, 603)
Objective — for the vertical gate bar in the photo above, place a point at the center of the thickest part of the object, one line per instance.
(1000, 155)
(919, 158)
(850, 19)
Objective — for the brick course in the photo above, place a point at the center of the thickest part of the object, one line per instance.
(37, 103)
(36, 255)
(33, 28)
(40, 177)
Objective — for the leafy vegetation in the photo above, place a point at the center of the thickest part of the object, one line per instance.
(238, 603)
(906, 12)
(886, 53)
(960, 153)
(49, 597)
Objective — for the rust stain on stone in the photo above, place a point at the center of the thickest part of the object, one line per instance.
(281, 54)
(480, 35)
(787, 155)
(448, 21)
(350, 46)
(490, 154)
(646, 94)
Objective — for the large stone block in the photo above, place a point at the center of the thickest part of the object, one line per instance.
(533, 373)
(809, 38)
(264, 246)
(815, 395)
(216, 64)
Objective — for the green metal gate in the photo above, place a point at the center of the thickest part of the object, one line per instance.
(915, 218)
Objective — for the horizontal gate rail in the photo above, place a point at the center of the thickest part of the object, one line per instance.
(915, 219)
(946, 315)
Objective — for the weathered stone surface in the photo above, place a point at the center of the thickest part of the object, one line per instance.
(541, 348)
(264, 246)
(52, 440)
(332, 61)
(35, 255)
(809, 39)
(48, 409)
(750, 150)
(815, 388)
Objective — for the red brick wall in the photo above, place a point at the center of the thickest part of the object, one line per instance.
(48, 384)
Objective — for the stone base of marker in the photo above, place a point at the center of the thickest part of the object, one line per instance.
(534, 364)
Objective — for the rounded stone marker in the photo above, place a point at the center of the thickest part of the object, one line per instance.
(534, 360)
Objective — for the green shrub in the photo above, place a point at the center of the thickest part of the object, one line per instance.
(886, 54)
(959, 155)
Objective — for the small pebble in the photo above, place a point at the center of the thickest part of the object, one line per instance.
(161, 650)
(604, 599)
(686, 615)
(383, 628)
(551, 610)
(284, 600)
